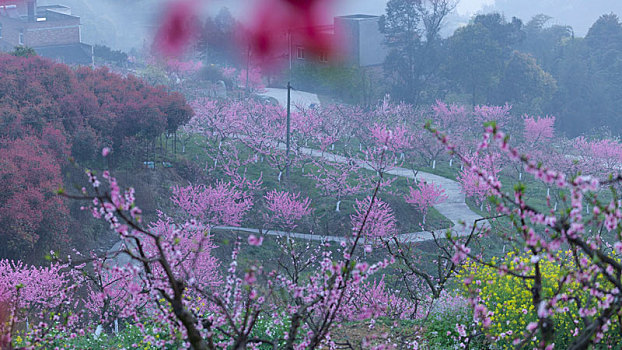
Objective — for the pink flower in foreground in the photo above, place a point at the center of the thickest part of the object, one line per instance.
(105, 151)
(273, 19)
(375, 222)
(255, 241)
(461, 330)
(460, 254)
(531, 326)
(177, 27)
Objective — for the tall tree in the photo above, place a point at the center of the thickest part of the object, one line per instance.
(478, 52)
(412, 31)
(525, 85)
(543, 41)
(475, 61)
(32, 217)
(604, 40)
(217, 41)
(590, 79)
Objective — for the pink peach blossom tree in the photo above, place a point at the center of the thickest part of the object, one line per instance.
(426, 195)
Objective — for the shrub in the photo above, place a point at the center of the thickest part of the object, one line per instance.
(509, 299)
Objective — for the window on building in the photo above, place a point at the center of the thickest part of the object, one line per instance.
(324, 56)
(300, 53)
(0, 30)
(21, 37)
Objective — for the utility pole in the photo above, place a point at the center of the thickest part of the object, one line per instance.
(248, 63)
(289, 102)
(289, 48)
(289, 89)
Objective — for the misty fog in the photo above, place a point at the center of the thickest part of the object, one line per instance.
(310, 174)
(127, 24)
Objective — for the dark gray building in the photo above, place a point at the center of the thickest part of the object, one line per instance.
(363, 43)
(52, 31)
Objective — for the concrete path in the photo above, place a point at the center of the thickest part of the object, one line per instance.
(454, 208)
(422, 236)
(299, 98)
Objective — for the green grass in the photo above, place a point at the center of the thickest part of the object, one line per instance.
(325, 220)
(129, 337)
(436, 332)
(443, 169)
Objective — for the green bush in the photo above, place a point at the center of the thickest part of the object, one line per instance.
(510, 300)
(129, 337)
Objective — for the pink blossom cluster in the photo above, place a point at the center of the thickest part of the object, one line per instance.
(479, 178)
(30, 287)
(539, 129)
(374, 299)
(220, 204)
(286, 209)
(373, 219)
(599, 154)
(183, 67)
(425, 196)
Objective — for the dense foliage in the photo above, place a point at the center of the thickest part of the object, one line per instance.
(108, 55)
(538, 67)
(50, 113)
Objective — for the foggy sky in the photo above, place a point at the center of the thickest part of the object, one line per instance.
(124, 24)
(372, 7)
(465, 7)
(580, 14)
